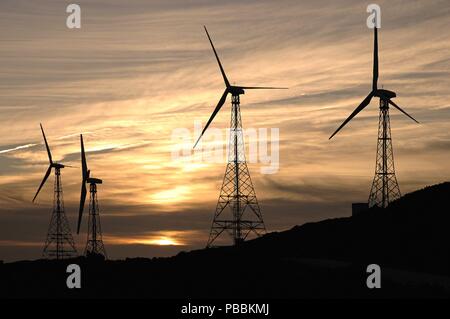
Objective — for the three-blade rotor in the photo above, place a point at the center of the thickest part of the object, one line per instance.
(49, 170)
(229, 89)
(51, 165)
(382, 94)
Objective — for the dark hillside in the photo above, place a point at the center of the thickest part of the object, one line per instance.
(409, 240)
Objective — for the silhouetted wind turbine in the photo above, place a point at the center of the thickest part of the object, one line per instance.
(237, 191)
(384, 187)
(59, 234)
(234, 90)
(94, 245)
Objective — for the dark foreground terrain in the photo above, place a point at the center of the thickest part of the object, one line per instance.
(409, 240)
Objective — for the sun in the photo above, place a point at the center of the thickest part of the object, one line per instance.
(159, 241)
(165, 242)
(170, 238)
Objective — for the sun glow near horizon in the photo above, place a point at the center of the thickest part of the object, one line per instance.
(170, 238)
(161, 241)
(172, 195)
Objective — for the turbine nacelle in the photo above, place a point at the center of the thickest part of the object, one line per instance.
(384, 94)
(57, 165)
(236, 90)
(92, 180)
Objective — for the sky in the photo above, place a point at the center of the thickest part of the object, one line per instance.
(137, 71)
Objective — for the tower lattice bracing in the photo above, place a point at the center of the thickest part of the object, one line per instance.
(59, 243)
(385, 188)
(94, 243)
(237, 211)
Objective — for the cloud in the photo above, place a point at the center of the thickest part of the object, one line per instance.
(16, 148)
(139, 69)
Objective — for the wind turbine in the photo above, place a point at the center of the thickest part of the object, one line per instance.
(384, 187)
(59, 242)
(237, 189)
(94, 245)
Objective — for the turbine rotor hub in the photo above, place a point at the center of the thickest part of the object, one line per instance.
(236, 90)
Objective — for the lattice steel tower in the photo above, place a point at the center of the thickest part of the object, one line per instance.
(237, 196)
(385, 187)
(94, 243)
(237, 192)
(59, 243)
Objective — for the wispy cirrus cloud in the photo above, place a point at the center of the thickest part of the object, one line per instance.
(16, 148)
(139, 69)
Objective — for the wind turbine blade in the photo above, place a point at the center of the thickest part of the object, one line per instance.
(218, 60)
(43, 181)
(46, 145)
(262, 88)
(219, 105)
(84, 169)
(401, 110)
(363, 104)
(375, 60)
(82, 201)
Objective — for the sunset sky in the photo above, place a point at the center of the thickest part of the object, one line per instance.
(139, 69)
